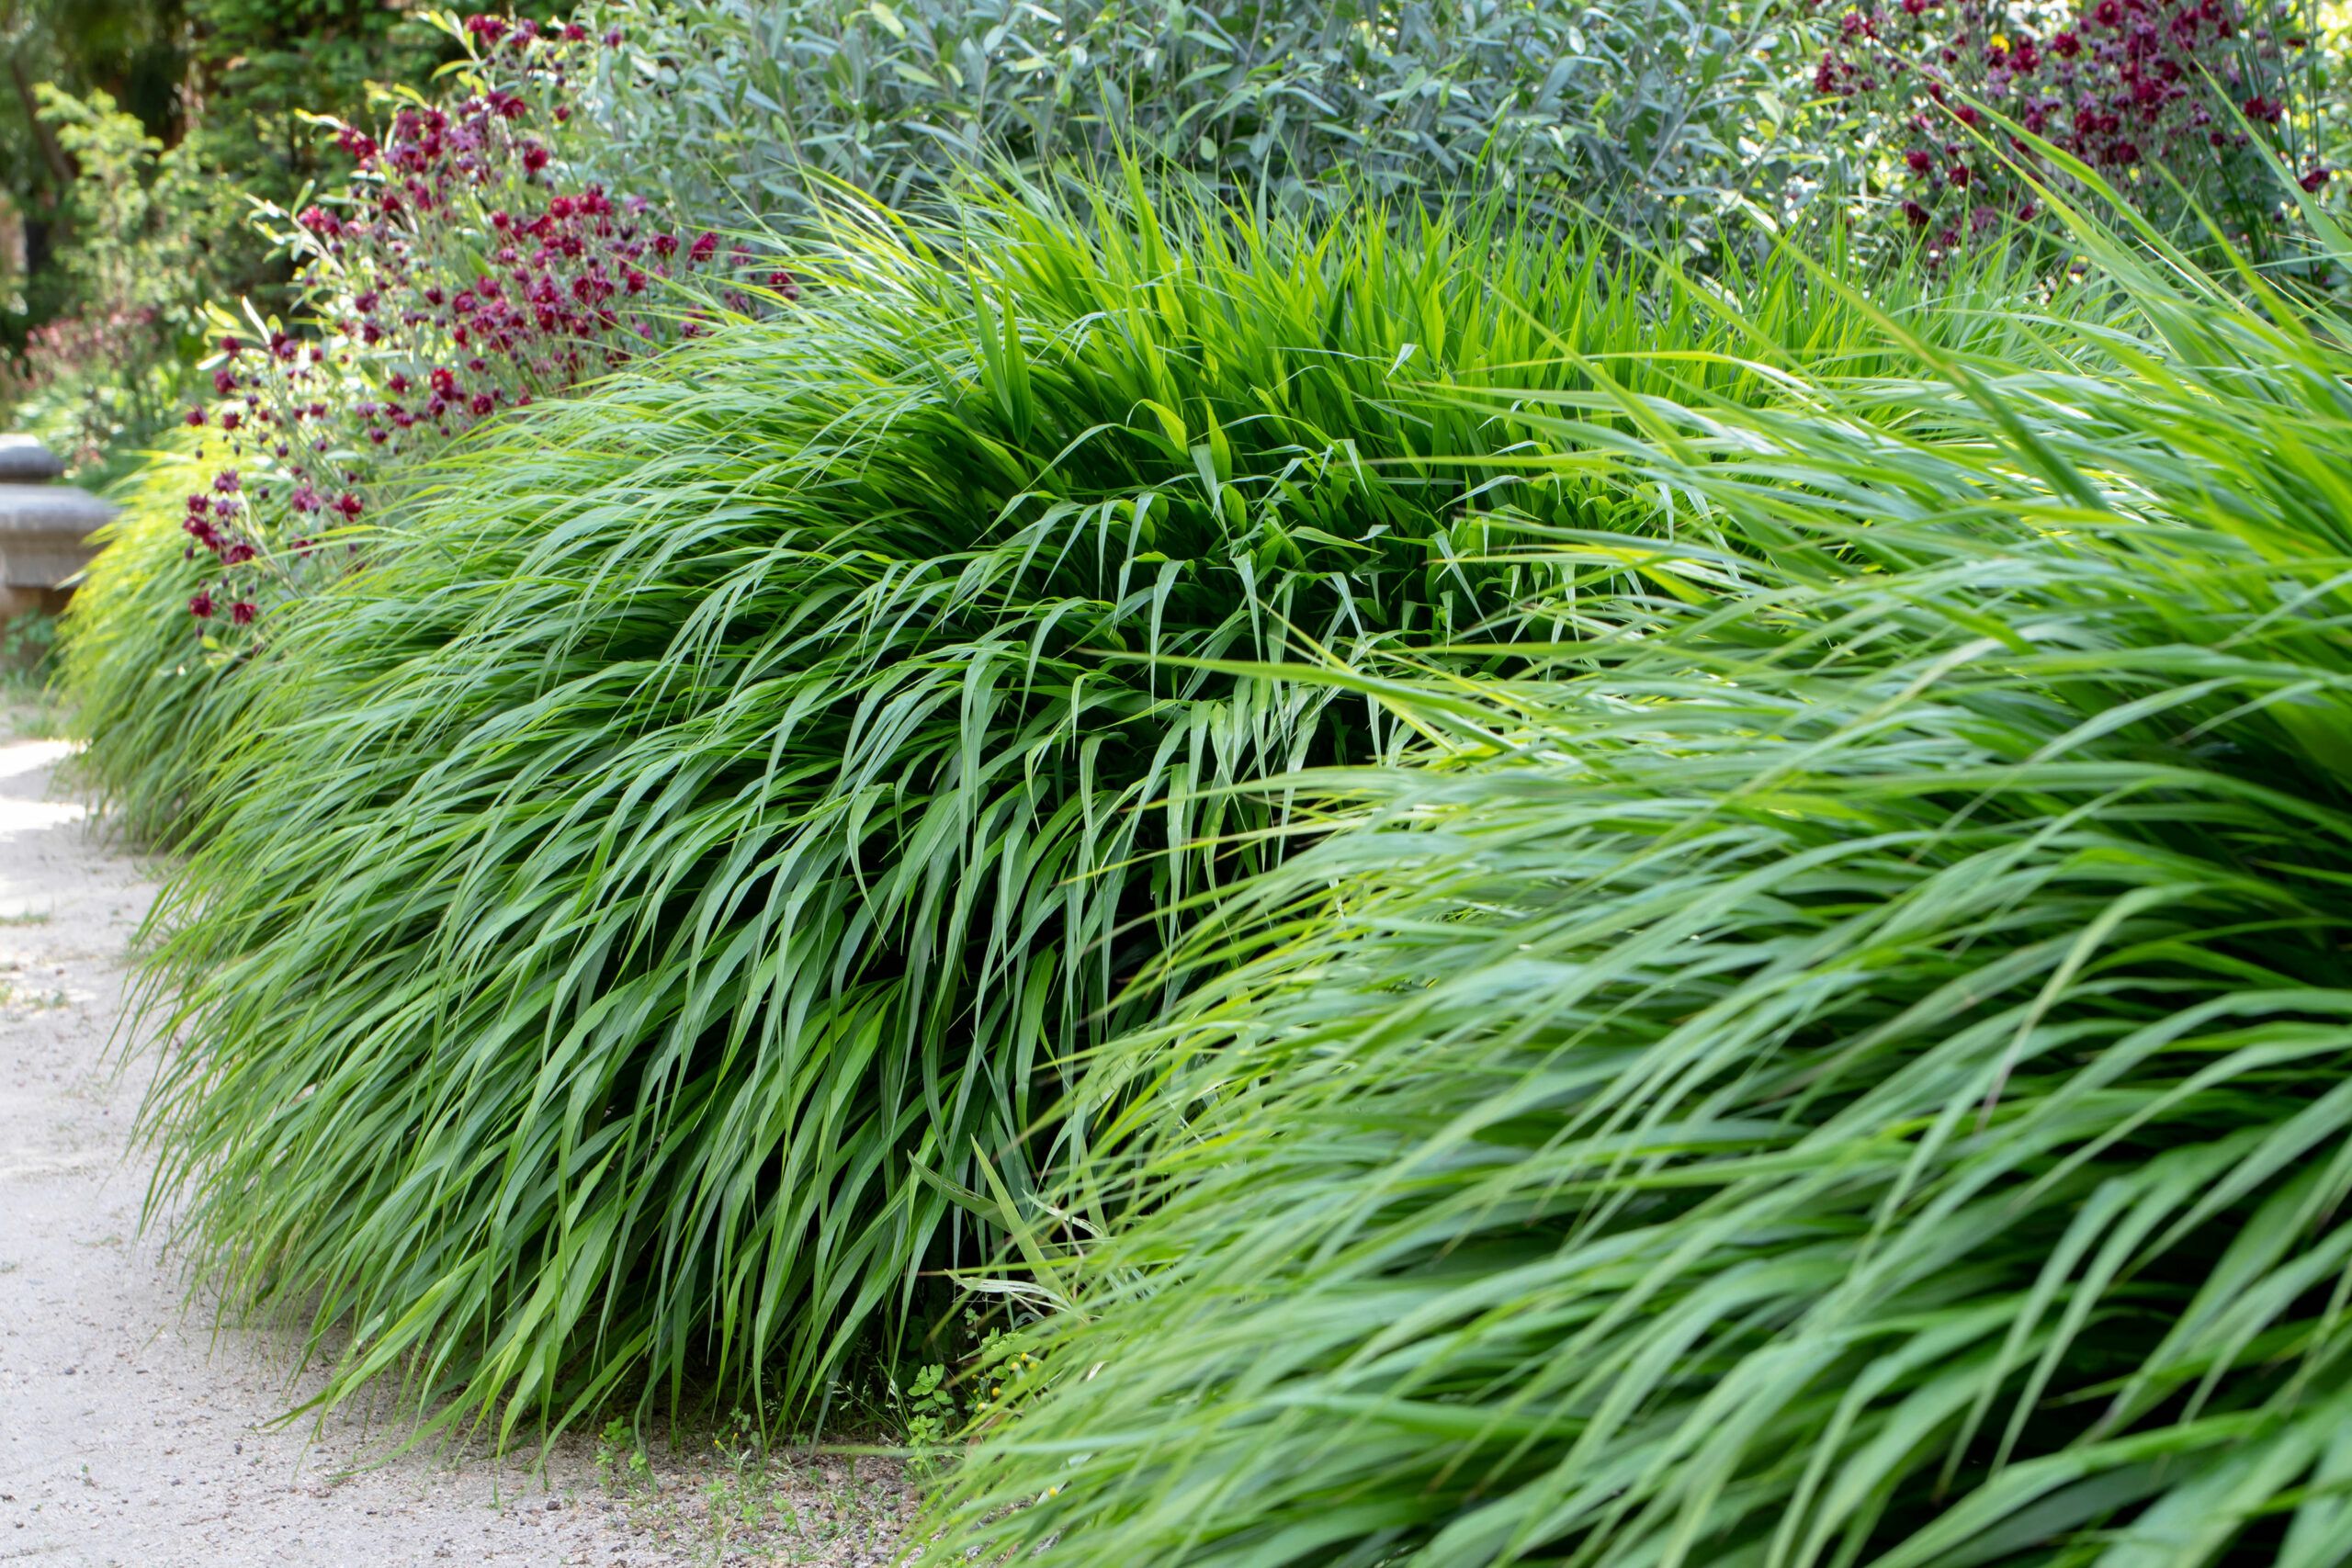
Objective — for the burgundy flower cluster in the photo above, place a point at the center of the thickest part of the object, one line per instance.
(2118, 83)
(455, 275)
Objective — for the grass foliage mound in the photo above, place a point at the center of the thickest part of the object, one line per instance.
(1860, 1076)
(647, 919)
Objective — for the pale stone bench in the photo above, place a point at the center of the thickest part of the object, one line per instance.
(45, 527)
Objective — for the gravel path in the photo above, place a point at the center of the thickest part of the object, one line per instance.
(132, 1434)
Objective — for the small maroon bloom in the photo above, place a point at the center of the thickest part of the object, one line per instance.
(195, 417)
(243, 612)
(1920, 162)
(2315, 178)
(201, 605)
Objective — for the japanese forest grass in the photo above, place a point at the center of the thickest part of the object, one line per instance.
(1860, 1077)
(644, 927)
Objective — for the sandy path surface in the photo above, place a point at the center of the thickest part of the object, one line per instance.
(132, 1434)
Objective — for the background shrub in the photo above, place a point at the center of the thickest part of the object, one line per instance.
(107, 374)
(1653, 113)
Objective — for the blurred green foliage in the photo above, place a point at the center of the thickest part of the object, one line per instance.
(133, 135)
(1648, 110)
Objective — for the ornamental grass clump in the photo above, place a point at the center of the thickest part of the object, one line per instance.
(650, 925)
(1863, 1076)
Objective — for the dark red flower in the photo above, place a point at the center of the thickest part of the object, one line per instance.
(1920, 162)
(2315, 179)
(705, 245)
(244, 611)
(201, 605)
